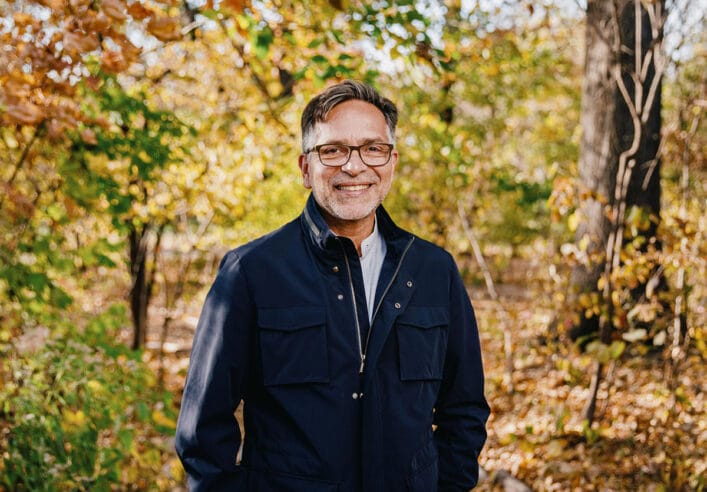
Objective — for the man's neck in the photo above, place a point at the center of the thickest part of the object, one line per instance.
(356, 231)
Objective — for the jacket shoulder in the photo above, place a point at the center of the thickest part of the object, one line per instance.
(432, 252)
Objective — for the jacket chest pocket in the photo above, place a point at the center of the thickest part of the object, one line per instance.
(422, 342)
(293, 345)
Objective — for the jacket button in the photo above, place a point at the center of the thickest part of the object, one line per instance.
(409, 283)
(355, 396)
(335, 269)
(397, 305)
(340, 297)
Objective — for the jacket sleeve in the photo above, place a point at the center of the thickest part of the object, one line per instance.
(208, 437)
(461, 410)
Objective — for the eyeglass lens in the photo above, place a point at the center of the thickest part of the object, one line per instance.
(373, 154)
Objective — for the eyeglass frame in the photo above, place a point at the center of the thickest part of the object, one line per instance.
(351, 148)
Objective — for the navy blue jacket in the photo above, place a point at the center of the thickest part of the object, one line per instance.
(279, 330)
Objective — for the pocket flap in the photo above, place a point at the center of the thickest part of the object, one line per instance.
(291, 318)
(424, 316)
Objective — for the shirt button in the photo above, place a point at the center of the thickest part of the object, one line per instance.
(397, 305)
(340, 297)
(335, 269)
(409, 284)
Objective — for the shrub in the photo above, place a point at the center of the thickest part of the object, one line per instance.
(83, 413)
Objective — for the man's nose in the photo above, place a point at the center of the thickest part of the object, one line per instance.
(355, 166)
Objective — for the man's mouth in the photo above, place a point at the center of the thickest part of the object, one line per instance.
(357, 187)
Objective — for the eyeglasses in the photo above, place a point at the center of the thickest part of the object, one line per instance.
(337, 155)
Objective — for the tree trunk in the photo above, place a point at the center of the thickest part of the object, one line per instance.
(598, 154)
(644, 185)
(139, 292)
(620, 117)
(142, 276)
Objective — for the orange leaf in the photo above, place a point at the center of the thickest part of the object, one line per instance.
(22, 20)
(138, 11)
(55, 129)
(16, 89)
(25, 113)
(130, 51)
(77, 43)
(115, 9)
(164, 28)
(95, 22)
(113, 61)
(88, 136)
(93, 82)
(236, 5)
(54, 5)
(20, 205)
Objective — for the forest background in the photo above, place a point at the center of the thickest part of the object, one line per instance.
(555, 147)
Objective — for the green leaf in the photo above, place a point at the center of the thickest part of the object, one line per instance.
(262, 42)
(616, 348)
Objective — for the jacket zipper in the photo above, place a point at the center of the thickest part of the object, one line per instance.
(363, 349)
(361, 354)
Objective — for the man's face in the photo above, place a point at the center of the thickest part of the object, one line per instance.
(349, 195)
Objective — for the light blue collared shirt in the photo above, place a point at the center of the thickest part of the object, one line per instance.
(373, 251)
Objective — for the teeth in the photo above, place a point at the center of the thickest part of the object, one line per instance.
(353, 187)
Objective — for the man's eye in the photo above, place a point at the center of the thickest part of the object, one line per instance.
(332, 151)
(376, 148)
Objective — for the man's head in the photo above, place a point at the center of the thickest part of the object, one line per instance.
(319, 107)
(349, 184)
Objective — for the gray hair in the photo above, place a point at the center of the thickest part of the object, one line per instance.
(319, 107)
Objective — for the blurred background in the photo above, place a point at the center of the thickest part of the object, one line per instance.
(555, 147)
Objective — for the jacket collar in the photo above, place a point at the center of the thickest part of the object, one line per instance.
(316, 227)
(324, 239)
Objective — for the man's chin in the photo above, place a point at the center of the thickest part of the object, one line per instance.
(349, 215)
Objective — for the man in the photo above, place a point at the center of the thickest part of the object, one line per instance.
(352, 343)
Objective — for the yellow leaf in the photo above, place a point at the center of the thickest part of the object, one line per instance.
(573, 221)
(555, 448)
(161, 419)
(601, 283)
(95, 386)
(73, 420)
(583, 243)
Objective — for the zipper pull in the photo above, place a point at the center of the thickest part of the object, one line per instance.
(363, 363)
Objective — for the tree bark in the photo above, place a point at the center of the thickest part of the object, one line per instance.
(142, 277)
(598, 154)
(619, 164)
(138, 292)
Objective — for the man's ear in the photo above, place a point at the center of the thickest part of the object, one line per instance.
(304, 168)
(394, 159)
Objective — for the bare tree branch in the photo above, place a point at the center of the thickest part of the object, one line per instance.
(491, 288)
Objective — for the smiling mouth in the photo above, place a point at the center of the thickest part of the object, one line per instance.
(358, 187)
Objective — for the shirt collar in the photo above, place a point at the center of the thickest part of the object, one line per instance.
(372, 241)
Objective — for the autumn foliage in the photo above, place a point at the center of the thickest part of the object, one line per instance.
(139, 140)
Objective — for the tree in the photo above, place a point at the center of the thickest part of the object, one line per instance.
(619, 166)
